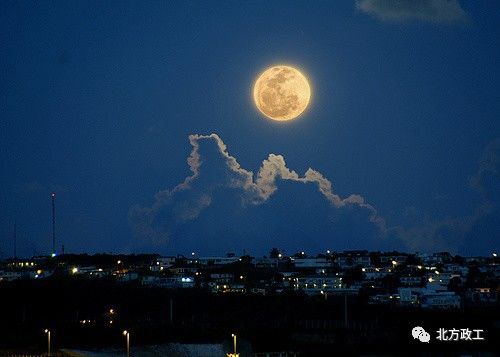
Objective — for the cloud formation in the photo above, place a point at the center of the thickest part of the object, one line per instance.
(451, 232)
(183, 203)
(242, 205)
(434, 11)
(488, 171)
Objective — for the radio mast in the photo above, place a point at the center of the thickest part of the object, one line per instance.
(53, 223)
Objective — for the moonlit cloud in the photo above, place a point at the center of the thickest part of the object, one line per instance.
(214, 170)
(185, 204)
(450, 232)
(435, 11)
(488, 169)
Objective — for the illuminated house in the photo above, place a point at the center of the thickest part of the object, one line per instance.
(315, 263)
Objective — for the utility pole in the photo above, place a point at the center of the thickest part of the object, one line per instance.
(47, 331)
(171, 310)
(15, 240)
(345, 309)
(127, 337)
(234, 344)
(53, 223)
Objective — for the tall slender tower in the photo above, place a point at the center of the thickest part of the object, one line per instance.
(15, 240)
(53, 223)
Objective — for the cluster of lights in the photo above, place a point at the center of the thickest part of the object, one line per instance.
(125, 333)
(27, 264)
(111, 313)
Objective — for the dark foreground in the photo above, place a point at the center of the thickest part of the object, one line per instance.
(84, 314)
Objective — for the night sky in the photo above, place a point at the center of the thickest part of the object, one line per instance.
(99, 98)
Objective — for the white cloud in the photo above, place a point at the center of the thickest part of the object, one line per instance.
(255, 190)
(435, 11)
(196, 193)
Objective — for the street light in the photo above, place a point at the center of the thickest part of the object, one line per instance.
(127, 335)
(234, 343)
(47, 331)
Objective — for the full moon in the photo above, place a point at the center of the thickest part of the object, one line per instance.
(281, 93)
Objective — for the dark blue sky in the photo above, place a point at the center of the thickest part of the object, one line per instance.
(98, 99)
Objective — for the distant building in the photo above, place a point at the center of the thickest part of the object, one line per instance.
(217, 260)
(411, 280)
(222, 278)
(126, 276)
(10, 275)
(312, 263)
(163, 263)
(408, 296)
(457, 269)
(481, 296)
(184, 270)
(372, 273)
(391, 258)
(168, 283)
(318, 283)
(353, 258)
(265, 262)
(440, 300)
